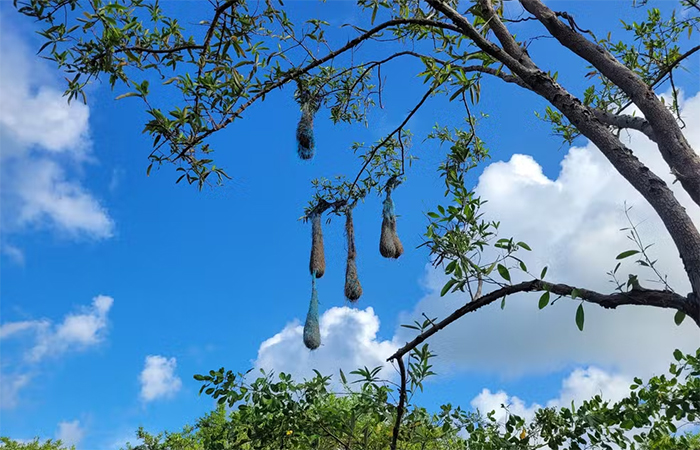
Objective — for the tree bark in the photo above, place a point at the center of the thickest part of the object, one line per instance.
(673, 146)
(679, 225)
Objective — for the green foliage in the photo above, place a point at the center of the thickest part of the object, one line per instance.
(279, 413)
(35, 444)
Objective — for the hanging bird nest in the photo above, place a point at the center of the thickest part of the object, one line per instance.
(306, 144)
(309, 103)
(317, 261)
(312, 332)
(389, 243)
(353, 289)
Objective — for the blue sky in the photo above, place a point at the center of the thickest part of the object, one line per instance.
(117, 287)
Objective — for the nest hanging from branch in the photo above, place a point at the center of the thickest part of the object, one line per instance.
(309, 103)
(353, 289)
(317, 261)
(389, 243)
(312, 332)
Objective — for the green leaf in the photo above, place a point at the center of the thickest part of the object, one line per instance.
(503, 271)
(128, 94)
(544, 272)
(678, 318)
(503, 303)
(342, 377)
(627, 254)
(523, 267)
(677, 354)
(579, 317)
(447, 287)
(574, 294)
(544, 300)
(525, 246)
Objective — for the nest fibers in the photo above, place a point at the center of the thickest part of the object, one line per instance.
(310, 103)
(317, 261)
(353, 289)
(306, 144)
(389, 243)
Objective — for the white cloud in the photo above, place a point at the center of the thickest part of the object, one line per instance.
(580, 385)
(47, 196)
(39, 340)
(573, 225)
(42, 138)
(158, 379)
(70, 433)
(9, 388)
(348, 342)
(14, 328)
(502, 404)
(76, 332)
(14, 253)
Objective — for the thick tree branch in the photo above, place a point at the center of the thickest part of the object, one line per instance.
(673, 146)
(654, 190)
(503, 35)
(645, 297)
(625, 121)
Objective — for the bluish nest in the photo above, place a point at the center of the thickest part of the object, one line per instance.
(312, 332)
(389, 243)
(306, 144)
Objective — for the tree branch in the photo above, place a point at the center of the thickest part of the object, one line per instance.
(672, 145)
(296, 73)
(654, 190)
(506, 39)
(389, 136)
(400, 407)
(646, 297)
(625, 121)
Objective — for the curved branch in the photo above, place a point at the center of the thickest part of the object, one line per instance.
(646, 297)
(683, 231)
(672, 144)
(296, 73)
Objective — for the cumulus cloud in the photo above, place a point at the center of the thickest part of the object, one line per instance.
(70, 433)
(158, 379)
(349, 341)
(572, 223)
(580, 385)
(44, 140)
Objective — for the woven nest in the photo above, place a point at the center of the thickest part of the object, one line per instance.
(353, 289)
(312, 332)
(306, 144)
(317, 261)
(389, 243)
